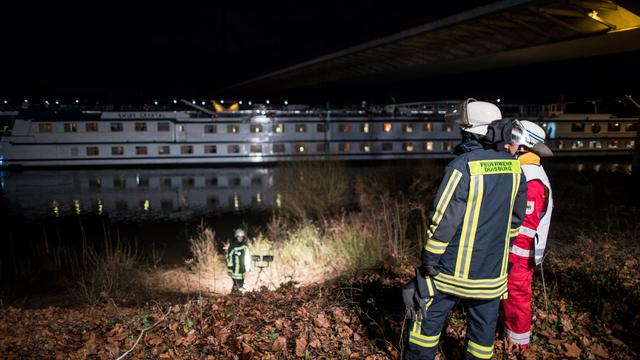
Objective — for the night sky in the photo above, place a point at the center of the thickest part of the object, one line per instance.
(138, 52)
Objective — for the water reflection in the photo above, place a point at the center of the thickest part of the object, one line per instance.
(136, 194)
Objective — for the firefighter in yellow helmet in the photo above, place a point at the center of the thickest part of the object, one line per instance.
(238, 260)
(477, 210)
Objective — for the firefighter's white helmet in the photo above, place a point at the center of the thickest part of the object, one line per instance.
(239, 232)
(531, 136)
(473, 116)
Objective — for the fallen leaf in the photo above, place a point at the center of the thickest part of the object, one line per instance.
(279, 344)
(573, 350)
(600, 351)
(301, 346)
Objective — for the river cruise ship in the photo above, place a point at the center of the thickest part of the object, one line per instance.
(193, 134)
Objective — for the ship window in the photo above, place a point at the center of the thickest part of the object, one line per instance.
(141, 150)
(301, 148)
(577, 127)
(595, 128)
(278, 128)
(594, 144)
(428, 127)
(45, 127)
(163, 126)
(164, 150)
(92, 151)
(210, 129)
(256, 181)
(365, 128)
(301, 128)
(447, 146)
(142, 181)
(91, 127)
(408, 128)
(119, 182)
(233, 129)
(578, 144)
(560, 144)
(613, 126)
(387, 146)
(165, 183)
(255, 148)
(345, 128)
(387, 127)
(115, 127)
(188, 182)
(95, 183)
(140, 126)
(344, 147)
(117, 150)
(629, 127)
(631, 144)
(212, 202)
(180, 128)
(447, 128)
(321, 127)
(186, 149)
(256, 128)
(428, 145)
(211, 181)
(407, 146)
(233, 149)
(613, 144)
(70, 127)
(365, 147)
(235, 181)
(321, 147)
(210, 149)
(278, 148)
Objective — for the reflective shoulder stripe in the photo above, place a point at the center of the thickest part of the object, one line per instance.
(443, 202)
(527, 231)
(520, 251)
(488, 167)
(480, 351)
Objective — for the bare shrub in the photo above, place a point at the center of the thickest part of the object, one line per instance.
(203, 249)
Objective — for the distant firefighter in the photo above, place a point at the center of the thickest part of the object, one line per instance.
(478, 208)
(528, 247)
(238, 260)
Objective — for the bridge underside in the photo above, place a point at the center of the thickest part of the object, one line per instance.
(503, 34)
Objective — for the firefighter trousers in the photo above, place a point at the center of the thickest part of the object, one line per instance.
(424, 336)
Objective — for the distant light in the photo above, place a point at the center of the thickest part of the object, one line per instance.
(193, 102)
(25, 100)
(46, 102)
(203, 102)
(286, 102)
(221, 101)
(155, 102)
(77, 101)
(146, 205)
(268, 101)
(498, 100)
(249, 102)
(175, 101)
(240, 102)
(5, 101)
(57, 102)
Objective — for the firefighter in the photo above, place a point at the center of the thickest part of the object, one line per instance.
(528, 248)
(238, 260)
(477, 210)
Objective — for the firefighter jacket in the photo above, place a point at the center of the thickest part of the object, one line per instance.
(238, 259)
(532, 238)
(477, 212)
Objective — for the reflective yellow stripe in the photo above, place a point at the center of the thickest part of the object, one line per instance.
(514, 232)
(515, 183)
(464, 252)
(436, 247)
(431, 291)
(482, 167)
(479, 351)
(474, 225)
(471, 283)
(443, 202)
(471, 293)
(417, 338)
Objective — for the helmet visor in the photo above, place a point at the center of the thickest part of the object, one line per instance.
(457, 114)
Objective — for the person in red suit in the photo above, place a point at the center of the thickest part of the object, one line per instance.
(527, 250)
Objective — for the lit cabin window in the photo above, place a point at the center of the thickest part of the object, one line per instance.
(164, 150)
(233, 149)
(613, 144)
(428, 146)
(210, 129)
(140, 126)
(210, 149)
(631, 144)
(256, 128)
(344, 147)
(408, 128)
(365, 128)
(116, 127)
(447, 128)
(70, 127)
(447, 146)
(560, 144)
(577, 127)
(278, 148)
(595, 144)
(387, 146)
(117, 150)
(91, 127)
(407, 146)
(613, 126)
(428, 127)
(141, 150)
(321, 128)
(255, 148)
(578, 144)
(365, 147)
(163, 126)
(186, 149)
(629, 127)
(345, 128)
(233, 129)
(387, 127)
(301, 148)
(321, 147)
(45, 127)
(300, 128)
(278, 128)
(595, 128)
(93, 151)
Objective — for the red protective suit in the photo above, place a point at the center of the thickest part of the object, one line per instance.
(517, 307)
